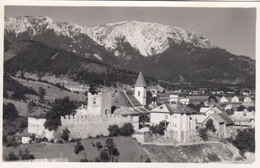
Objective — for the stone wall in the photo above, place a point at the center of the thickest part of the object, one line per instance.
(83, 126)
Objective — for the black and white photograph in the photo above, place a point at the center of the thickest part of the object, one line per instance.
(129, 84)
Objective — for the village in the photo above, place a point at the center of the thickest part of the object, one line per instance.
(170, 118)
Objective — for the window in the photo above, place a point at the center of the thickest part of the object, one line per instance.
(166, 117)
(138, 93)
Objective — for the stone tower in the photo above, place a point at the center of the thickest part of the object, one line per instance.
(140, 89)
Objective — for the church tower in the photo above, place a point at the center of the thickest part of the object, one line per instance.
(140, 89)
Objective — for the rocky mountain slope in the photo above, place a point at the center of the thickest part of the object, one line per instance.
(161, 51)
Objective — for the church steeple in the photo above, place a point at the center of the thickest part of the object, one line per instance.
(140, 91)
(140, 80)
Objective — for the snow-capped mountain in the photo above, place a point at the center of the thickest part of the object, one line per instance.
(148, 38)
(160, 51)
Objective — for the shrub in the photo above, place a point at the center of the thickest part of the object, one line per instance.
(60, 141)
(210, 125)
(114, 130)
(159, 129)
(203, 133)
(241, 108)
(26, 155)
(104, 156)
(72, 140)
(245, 141)
(79, 147)
(9, 112)
(127, 129)
(213, 157)
(65, 134)
(99, 145)
(93, 144)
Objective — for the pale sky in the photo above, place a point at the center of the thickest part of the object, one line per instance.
(230, 28)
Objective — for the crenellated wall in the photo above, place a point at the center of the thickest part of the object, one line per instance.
(83, 126)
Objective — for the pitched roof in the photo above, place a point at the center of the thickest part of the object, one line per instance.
(140, 80)
(129, 101)
(222, 117)
(177, 108)
(125, 111)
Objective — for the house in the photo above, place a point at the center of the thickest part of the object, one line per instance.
(223, 100)
(180, 118)
(207, 111)
(244, 118)
(235, 99)
(248, 100)
(26, 140)
(220, 122)
(160, 113)
(185, 101)
(174, 98)
(182, 123)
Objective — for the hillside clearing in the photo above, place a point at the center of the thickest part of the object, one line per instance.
(21, 107)
(52, 92)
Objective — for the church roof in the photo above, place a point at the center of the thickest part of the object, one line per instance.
(129, 101)
(140, 80)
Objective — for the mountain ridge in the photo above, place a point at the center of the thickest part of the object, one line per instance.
(160, 51)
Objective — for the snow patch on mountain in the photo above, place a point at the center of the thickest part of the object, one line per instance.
(147, 38)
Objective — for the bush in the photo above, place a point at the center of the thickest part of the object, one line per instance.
(245, 141)
(203, 133)
(114, 130)
(241, 108)
(213, 157)
(127, 129)
(79, 147)
(72, 140)
(210, 125)
(60, 141)
(99, 145)
(65, 134)
(26, 155)
(104, 156)
(158, 129)
(9, 112)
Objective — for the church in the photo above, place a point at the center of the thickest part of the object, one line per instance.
(103, 109)
(108, 108)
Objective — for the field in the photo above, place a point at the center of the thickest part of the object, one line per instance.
(21, 107)
(52, 92)
(129, 149)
